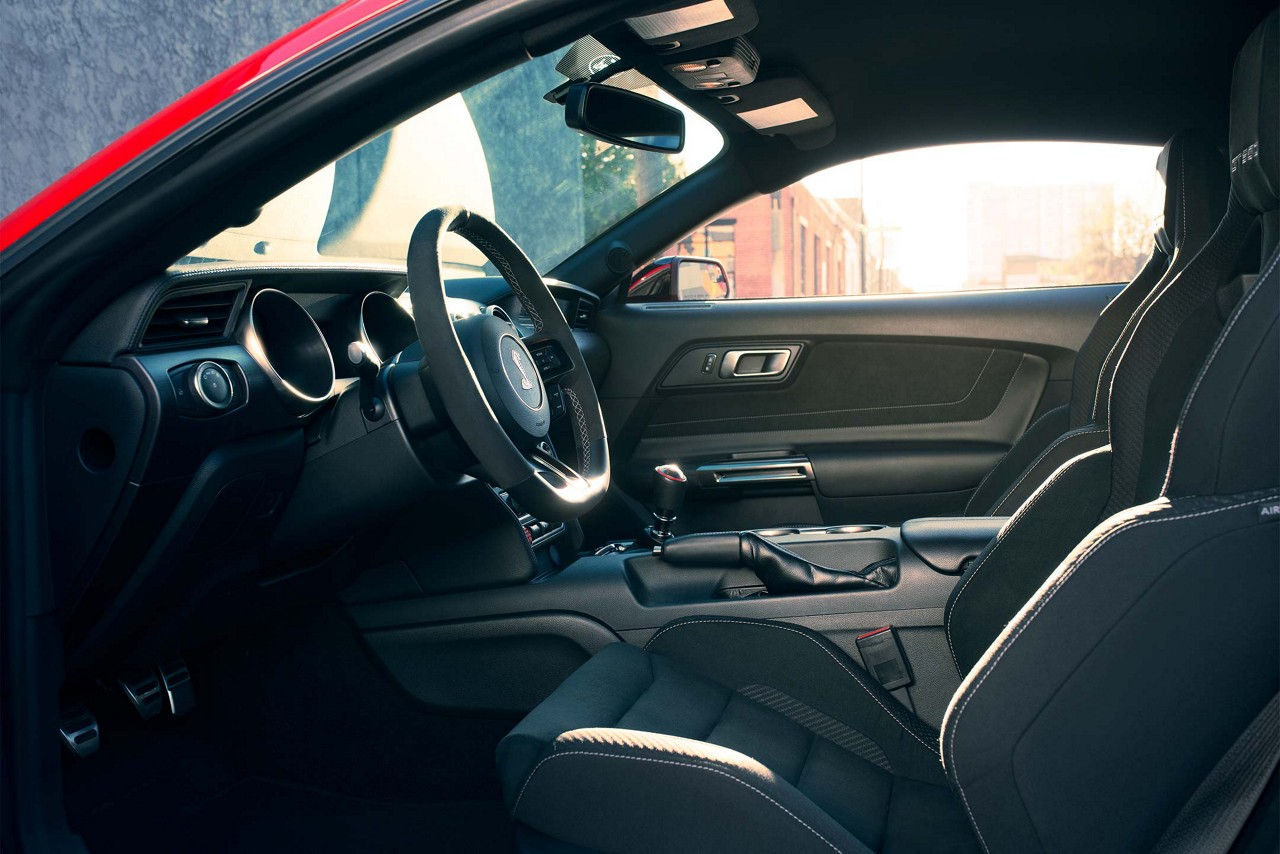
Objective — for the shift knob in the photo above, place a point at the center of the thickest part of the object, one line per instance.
(669, 484)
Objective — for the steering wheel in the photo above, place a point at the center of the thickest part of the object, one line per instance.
(494, 384)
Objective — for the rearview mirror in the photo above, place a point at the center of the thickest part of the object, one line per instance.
(623, 118)
(680, 278)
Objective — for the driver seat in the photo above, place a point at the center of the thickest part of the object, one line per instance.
(1095, 718)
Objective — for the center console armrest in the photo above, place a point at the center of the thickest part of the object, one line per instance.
(946, 543)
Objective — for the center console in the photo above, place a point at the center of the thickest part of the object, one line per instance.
(536, 633)
(908, 566)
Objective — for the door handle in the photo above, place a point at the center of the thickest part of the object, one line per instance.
(754, 363)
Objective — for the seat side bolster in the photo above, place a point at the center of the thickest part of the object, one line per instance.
(601, 787)
(1077, 700)
(1061, 451)
(802, 663)
(1014, 564)
(1042, 432)
(597, 694)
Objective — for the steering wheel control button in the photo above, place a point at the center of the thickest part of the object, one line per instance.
(556, 396)
(212, 385)
(550, 360)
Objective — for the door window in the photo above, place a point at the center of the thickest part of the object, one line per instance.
(952, 218)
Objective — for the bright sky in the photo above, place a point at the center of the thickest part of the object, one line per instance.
(924, 193)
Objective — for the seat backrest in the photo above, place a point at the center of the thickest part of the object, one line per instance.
(1167, 343)
(1115, 691)
(1196, 188)
(1195, 176)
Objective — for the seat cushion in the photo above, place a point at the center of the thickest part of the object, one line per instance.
(727, 734)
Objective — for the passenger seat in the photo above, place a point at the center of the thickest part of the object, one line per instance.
(1196, 186)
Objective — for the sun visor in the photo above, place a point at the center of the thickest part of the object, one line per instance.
(695, 24)
(788, 106)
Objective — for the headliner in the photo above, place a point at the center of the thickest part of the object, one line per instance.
(910, 74)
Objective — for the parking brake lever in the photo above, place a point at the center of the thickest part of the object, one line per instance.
(780, 570)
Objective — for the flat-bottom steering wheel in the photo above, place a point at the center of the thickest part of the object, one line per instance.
(493, 388)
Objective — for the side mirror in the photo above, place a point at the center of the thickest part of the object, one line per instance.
(623, 118)
(680, 278)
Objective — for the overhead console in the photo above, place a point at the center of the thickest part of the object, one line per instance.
(725, 65)
(706, 47)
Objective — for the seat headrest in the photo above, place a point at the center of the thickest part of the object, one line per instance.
(1195, 189)
(1254, 142)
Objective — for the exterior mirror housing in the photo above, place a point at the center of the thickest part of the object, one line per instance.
(680, 278)
(623, 118)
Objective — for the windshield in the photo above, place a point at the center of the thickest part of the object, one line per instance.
(499, 149)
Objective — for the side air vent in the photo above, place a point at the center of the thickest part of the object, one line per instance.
(193, 316)
(584, 314)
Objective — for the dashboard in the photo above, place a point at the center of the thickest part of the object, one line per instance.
(223, 420)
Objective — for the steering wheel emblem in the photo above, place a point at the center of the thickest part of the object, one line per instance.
(525, 382)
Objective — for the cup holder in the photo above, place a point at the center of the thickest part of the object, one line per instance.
(778, 532)
(853, 529)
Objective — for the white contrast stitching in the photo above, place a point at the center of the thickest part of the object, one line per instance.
(1217, 345)
(978, 489)
(1182, 189)
(654, 759)
(583, 437)
(504, 266)
(1023, 621)
(855, 676)
(1000, 538)
(1070, 434)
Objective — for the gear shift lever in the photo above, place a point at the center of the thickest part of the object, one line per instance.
(669, 484)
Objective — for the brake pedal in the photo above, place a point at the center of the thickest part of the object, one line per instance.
(178, 689)
(146, 693)
(79, 730)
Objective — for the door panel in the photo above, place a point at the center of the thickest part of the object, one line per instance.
(896, 406)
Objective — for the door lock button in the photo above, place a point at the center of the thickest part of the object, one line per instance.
(709, 362)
